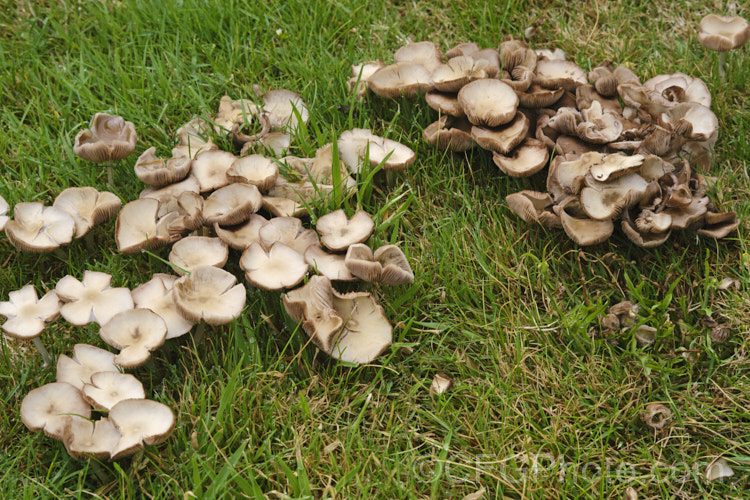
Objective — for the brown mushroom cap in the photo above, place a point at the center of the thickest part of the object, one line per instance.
(232, 204)
(137, 226)
(87, 206)
(533, 206)
(337, 232)
(554, 74)
(424, 53)
(92, 299)
(400, 79)
(47, 408)
(234, 112)
(210, 169)
(194, 139)
(26, 314)
(446, 104)
(722, 33)
(36, 228)
(254, 169)
(108, 138)
(242, 236)
(109, 388)
(527, 159)
(395, 268)
(196, 251)
(488, 102)
(361, 263)
(140, 421)
(457, 72)
(366, 332)
(282, 108)
(209, 294)
(283, 207)
(160, 172)
(279, 267)
(136, 333)
(312, 305)
(449, 133)
(505, 139)
(86, 361)
(84, 438)
(156, 295)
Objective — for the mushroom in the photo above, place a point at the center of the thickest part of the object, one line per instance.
(86, 361)
(446, 104)
(723, 33)
(136, 332)
(505, 139)
(440, 383)
(232, 204)
(279, 267)
(656, 416)
(36, 228)
(195, 251)
(337, 232)
(457, 72)
(284, 109)
(366, 332)
(139, 227)
(87, 206)
(449, 133)
(209, 294)
(403, 79)
(718, 469)
(92, 299)
(231, 113)
(108, 138)
(84, 438)
(254, 169)
(355, 144)
(422, 53)
(109, 388)
(140, 421)
(527, 159)
(242, 236)
(210, 169)
(4, 207)
(26, 315)
(488, 102)
(289, 231)
(157, 295)
(532, 206)
(193, 139)
(312, 306)
(48, 407)
(160, 172)
(332, 266)
(553, 74)
(387, 265)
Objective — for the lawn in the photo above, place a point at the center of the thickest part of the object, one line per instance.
(542, 406)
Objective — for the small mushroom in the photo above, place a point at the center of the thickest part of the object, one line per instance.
(86, 438)
(87, 206)
(332, 266)
(449, 133)
(136, 332)
(48, 407)
(723, 33)
(440, 383)
(26, 315)
(289, 231)
(36, 228)
(139, 226)
(656, 416)
(140, 421)
(312, 306)
(527, 159)
(366, 332)
(284, 109)
(4, 208)
(196, 251)
(109, 388)
(194, 139)
(279, 267)
(160, 172)
(488, 102)
(254, 169)
(91, 299)
(502, 140)
(210, 169)
(108, 138)
(403, 79)
(718, 469)
(422, 53)
(86, 361)
(157, 296)
(337, 232)
(242, 236)
(209, 294)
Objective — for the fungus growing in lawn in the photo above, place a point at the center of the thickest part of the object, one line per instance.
(354, 144)
(312, 305)
(86, 361)
(91, 299)
(332, 266)
(108, 139)
(488, 102)
(440, 383)
(136, 332)
(209, 294)
(233, 113)
(254, 169)
(140, 421)
(366, 332)
(106, 389)
(157, 295)
(138, 226)
(36, 228)
(656, 416)
(232, 204)
(193, 139)
(387, 265)
(47, 408)
(533, 206)
(90, 438)
(210, 169)
(284, 109)
(279, 267)
(26, 316)
(403, 79)
(502, 140)
(4, 208)
(160, 172)
(242, 236)
(453, 134)
(722, 34)
(337, 232)
(290, 232)
(87, 206)
(718, 469)
(527, 159)
(195, 251)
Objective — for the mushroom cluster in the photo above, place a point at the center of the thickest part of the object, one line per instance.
(622, 150)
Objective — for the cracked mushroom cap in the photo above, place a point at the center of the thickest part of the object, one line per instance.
(136, 333)
(138, 226)
(457, 72)
(552, 74)
(289, 231)
(160, 172)
(140, 421)
(337, 232)
(232, 204)
(86, 361)
(584, 231)
(47, 408)
(36, 228)
(395, 268)
(26, 314)
(449, 133)
(423, 53)
(332, 266)
(403, 79)
(257, 170)
(527, 159)
(312, 305)
(242, 236)
(366, 332)
(233, 113)
(4, 208)
(193, 139)
(505, 139)
(196, 251)
(534, 207)
(361, 263)
(722, 33)
(109, 388)
(87, 206)
(691, 120)
(210, 169)
(91, 299)
(279, 267)
(209, 294)
(354, 144)
(157, 296)
(108, 138)
(488, 102)
(85, 438)
(679, 87)
(282, 107)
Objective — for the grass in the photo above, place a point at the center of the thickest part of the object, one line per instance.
(541, 407)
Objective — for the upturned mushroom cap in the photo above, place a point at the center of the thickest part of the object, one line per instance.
(109, 388)
(140, 421)
(446, 104)
(254, 169)
(598, 127)
(210, 169)
(653, 223)
(196, 251)
(615, 165)
(136, 333)
(91, 299)
(282, 107)
(159, 171)
(193, 139)
(332, 266)
(449, 133)
(47, 408)
(643, 238)
(691, 120)
(354, 144)
(534, 207)
(108, 138)
(283, 207)
(718, 469)
(457, 72)
(462, 49)
(138, 227)
(242, 236)
(157, 296)
(168, 196)
(279, 267)
(84, 438)
(87, 206)
(527, 159)
(232, 204)
(539, 97)
(337, 232)
(361, 263)
(555, 74)
(679, 87)
(395, 268)
(505, 139)
(26, 314)
(366, 333)
(722, 33)
(584, 231)
(400, 80)
(423, 53)
(86, 361)
(36, 228)
(488, 103)
(312, 305)
(4, 208)
(719, 225)
(209, 294)
(683, 217)
(289, 231)
(234, 112)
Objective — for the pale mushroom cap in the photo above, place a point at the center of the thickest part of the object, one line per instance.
(280, 106)
(367, 332)
(108, 138)
(276, 142)
(440, 383)
(156, 171)
(505, 139)
(232, 204)
(47, 408)
(366, 69)
(26, 314)
(337, 232)
(533, 206)
(403, 79)
(718, 469)
(137, 226)
(446, 133)
(109, 388)
(209, 294)
(586, 231)
(332, 266)
(694, 121)
(695, 89)
(488, 102)
(87, 207)
(91, 299)
(157, 296)
(140, 421)
(194, 139)
(241, 237)
(289, 231)
(84, 438)
(86, 361)
(527, 159)
(136, 333)
(361, 263)
(233, 112)
(722, 33)
(552, 74)
(457, 72)
(254, 169)
(4, 208)
(210, 169)
(395, 267)
(615, 165)
(423, 53)
(167, 196)
(312, 305)
(446, 104)
(196, 251)
(36, 228)
(283, 207)
(280, 267)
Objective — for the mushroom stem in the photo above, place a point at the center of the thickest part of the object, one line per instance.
(390, 178)
(89, 241)
(43, 351)
(722, 60)
(110, 174)
(60, 254)
(199, 334)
